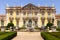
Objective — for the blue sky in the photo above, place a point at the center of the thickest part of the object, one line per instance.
(3, 4)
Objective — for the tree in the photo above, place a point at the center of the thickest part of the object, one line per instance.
(9, 25)
(49, 25)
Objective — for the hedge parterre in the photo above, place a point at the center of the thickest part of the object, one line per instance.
(48, 36)
(7, 35)
(56, 34)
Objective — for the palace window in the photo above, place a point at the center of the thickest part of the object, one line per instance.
(36, 13)
(2, 23)
(58, 23)
(17, 13)
(11, 21)
(52, 20)
(43, 13)
(24, 22)
(35, 22)
(48, 20)
(24, 13)
(11, 12)
(42, 22)
(17, 23)
(48, 13)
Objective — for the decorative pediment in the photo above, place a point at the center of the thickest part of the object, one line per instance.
(30, 7)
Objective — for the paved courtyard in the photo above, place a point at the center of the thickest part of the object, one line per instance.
(28, 36)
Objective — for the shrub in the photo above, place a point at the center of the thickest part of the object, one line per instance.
(8, 36)
(9, 25)
(47, 36)
(49, 25)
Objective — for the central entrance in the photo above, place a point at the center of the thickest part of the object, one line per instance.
(29, 23)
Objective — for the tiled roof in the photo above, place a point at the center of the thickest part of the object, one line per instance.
(57, 16)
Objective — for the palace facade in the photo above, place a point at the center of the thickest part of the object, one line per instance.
(30, 15)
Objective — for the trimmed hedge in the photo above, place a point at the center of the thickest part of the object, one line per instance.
(58, 29)
(8, 36)
(2, 33)
(56, 34)
(47, 36)
(10, 25)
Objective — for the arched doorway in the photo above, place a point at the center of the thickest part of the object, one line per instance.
(30, 23)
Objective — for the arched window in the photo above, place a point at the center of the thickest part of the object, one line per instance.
(11, 12)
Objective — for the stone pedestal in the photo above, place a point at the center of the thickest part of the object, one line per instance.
(10, 28)
(53, 30)
(2, 29)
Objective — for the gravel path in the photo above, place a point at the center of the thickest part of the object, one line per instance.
(28, 36)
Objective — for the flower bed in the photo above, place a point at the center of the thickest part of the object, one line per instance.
(8, 36)
(47, 36)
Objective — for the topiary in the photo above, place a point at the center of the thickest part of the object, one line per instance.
(9, 25)
(49, 25)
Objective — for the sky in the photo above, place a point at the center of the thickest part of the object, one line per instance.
(3, 4)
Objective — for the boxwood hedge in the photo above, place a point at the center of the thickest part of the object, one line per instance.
(58, 29)
(56, 34)
(47, 36)
(8, 36)
(2, 33)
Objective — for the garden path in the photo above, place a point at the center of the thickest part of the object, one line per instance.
(28, 36)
